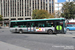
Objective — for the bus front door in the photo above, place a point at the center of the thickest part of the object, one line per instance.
(30, 27)
(59, 27)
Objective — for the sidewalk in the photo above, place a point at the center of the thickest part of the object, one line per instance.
(4, 27)
(5, 46)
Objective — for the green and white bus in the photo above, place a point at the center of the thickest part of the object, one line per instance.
(53, 25)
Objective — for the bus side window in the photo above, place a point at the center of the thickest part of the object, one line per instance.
(21, 26)
(32, 25)
(48, 25)
(14, 26)
(39, 25)
(43, 25)
(25, 26)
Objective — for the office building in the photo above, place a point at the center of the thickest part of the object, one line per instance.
(58, 9)
(22, 9)
(70, 0)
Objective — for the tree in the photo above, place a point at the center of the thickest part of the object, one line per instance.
(58, 14)
(68, 10)
(34, 13)
(1, 17)
(40, 14)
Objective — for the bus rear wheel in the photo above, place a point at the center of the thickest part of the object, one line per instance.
(20, 31)
(50, 32)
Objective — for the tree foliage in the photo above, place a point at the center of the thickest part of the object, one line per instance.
(68, 10)
(40, 14)
(1, 17)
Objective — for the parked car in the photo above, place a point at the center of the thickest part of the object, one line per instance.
(70, 27)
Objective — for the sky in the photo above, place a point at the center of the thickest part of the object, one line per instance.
(61, 0)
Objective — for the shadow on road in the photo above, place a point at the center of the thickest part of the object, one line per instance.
(73, 37)
(35, 33)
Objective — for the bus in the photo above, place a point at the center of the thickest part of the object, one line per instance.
(50, 26)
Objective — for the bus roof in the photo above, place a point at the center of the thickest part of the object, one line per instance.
(38, 20)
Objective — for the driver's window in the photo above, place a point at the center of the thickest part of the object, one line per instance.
(49, 23)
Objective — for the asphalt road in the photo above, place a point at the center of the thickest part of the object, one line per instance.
(38, 41)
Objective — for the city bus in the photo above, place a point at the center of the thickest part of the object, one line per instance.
(50, 26)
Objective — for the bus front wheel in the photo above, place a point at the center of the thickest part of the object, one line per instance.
(50, 32)
(20, 31)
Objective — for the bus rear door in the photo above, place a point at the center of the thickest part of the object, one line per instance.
(59, 27)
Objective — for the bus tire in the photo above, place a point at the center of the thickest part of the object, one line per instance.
(20, 31)
(50, 32)
(15, 30)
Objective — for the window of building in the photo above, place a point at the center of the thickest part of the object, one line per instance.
(20, 18)
(1, 9)
(1, 0)
(41, 4)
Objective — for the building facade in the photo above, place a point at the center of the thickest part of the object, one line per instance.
(70, 0)
(22, 9)
(58, 9)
